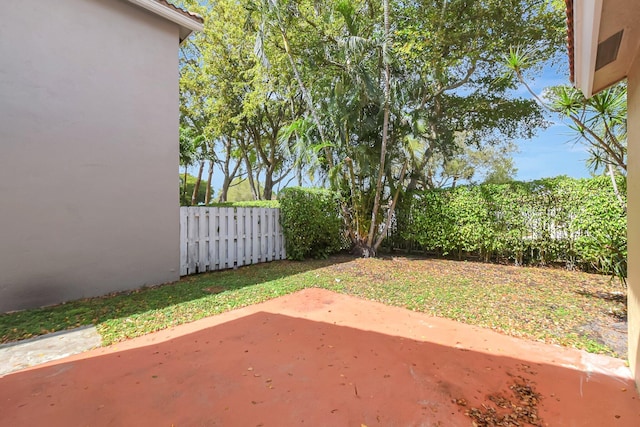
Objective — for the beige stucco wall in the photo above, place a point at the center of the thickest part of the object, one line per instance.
(88, 150)
(633, 212)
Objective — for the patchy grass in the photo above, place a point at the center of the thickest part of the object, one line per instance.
(543, 304)
(550, 305)
(126, 315)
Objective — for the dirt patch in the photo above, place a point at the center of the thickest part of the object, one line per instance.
(215, 289)
(607, 332)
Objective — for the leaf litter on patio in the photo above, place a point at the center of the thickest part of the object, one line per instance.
(520, 409)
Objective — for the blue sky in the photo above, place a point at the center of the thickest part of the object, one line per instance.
(552, 151)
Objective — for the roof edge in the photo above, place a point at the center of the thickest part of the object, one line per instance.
(585, 19)
(188, 21)
(570, 38)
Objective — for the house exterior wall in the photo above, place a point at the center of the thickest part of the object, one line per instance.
(88, 150)
(633, 215)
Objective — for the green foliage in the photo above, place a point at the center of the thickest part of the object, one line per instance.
(600, 122)
(302, 86)
(185, 197)
(240, 190)
(248, 204)
(577, 222)
(311, 222)
(602, 227)
(188, 145)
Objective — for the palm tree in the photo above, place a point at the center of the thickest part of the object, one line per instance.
(600, 121)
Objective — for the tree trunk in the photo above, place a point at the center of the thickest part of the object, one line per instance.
(255, 189)
(207, 197)
(615, 187)
(196, 187)
(228, 177)
(225, 189)
(392, 207)
(267, 192)
(250, 175)
(385, 128)
(361, 249)
(183, 198)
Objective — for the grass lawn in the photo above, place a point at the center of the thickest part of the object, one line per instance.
(553, 305)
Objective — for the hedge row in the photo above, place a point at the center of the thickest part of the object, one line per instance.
(247, 204)
(574, 221)
(311, 222)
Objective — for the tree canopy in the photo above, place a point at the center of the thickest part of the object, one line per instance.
(369, 98)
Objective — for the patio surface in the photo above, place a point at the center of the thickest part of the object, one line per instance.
(317, 358)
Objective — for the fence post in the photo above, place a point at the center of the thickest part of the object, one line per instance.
(183, 241)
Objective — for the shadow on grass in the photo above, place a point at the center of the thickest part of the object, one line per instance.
(619, 297)
(127, 314)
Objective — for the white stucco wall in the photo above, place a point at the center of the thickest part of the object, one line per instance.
(633, 212)
(88, 150)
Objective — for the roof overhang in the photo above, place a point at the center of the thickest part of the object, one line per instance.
(187, 21)
(603, 41)
(586, 28)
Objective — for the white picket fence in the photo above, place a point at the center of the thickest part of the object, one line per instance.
(220, 238)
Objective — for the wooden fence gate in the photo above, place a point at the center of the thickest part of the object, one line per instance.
(219, 238)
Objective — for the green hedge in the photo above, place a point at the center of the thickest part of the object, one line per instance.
(311, 222)
(247, 204)
(574, 221)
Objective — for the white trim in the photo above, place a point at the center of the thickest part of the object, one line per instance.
(587, 15)
(169, 14)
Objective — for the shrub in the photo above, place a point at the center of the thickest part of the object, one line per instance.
(600, 226)
(573, 221)
(247, 204)
(311, 222)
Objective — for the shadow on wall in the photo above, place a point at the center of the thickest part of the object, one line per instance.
(36, 292)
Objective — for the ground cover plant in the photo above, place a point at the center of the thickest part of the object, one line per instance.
(553, 305)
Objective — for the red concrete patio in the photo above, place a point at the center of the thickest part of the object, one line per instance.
(321, 359)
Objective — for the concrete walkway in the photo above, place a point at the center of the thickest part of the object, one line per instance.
(317, 358)
(39, 350)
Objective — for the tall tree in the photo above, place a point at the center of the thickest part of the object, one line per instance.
(490, 163)
(214, 77)
(394, 88)
(383, 88)
(241, 102)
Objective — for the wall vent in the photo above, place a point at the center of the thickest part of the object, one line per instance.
(608, 50)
